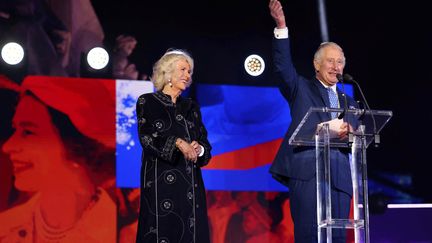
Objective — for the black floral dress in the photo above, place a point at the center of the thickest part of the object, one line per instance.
(173, 204)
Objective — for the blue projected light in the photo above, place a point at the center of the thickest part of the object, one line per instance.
(237, 117)
(128, 148)
(241, 117)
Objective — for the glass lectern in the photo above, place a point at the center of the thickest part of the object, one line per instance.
(365, 128)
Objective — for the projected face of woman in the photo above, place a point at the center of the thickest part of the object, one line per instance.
(35, 148)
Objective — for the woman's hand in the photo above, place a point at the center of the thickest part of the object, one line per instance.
(197, 147)
(187, 149)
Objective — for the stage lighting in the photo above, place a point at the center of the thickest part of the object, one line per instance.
(254, 65)
(12, 53)
(97, 58)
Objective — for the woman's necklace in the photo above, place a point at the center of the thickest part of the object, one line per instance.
(43, 232)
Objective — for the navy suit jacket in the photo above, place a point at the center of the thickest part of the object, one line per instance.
(299, 161)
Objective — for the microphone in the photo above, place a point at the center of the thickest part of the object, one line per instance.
(341, 80)
(349, 78)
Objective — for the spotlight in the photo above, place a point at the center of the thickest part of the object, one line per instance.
(97, 58)
(96, 63)
(12, 53)
(254, 65)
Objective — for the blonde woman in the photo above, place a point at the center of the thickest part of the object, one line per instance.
(175, 147)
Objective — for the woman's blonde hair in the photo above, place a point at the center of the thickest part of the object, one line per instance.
(164, 67)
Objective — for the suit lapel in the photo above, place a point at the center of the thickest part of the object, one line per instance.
(320, 91)
(340, 98)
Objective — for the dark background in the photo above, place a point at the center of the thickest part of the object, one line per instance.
(387, 45)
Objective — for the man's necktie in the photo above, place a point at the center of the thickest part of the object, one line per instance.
(334, 102)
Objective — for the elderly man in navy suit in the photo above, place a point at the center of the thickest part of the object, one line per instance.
(295, 166)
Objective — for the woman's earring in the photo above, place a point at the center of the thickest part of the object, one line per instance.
(170, 84)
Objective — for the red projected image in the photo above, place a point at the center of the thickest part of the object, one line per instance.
(8, 193)
(249, 217)
(61, 159)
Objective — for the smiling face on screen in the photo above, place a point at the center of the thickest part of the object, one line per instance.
(35, 148)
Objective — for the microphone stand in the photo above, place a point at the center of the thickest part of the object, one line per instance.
(349, 78)
(342, 115)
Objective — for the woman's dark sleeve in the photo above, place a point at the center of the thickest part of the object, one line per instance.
(157, 144)
(202, 137)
